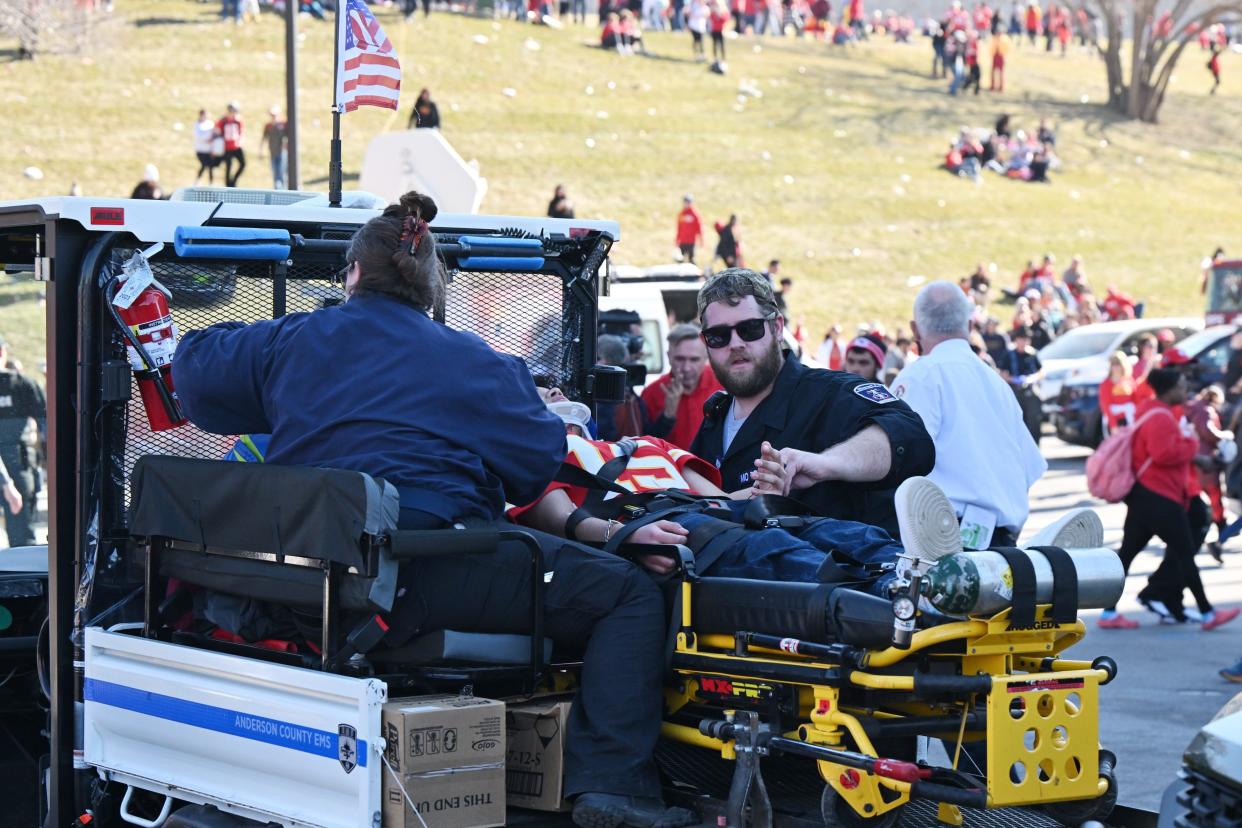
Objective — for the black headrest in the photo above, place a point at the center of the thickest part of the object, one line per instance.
(256, 507)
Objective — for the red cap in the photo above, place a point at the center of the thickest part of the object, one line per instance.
(1166, 335)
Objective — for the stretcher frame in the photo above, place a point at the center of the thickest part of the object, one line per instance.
(1011, 691)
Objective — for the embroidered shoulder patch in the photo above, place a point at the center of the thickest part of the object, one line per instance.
(874, 392)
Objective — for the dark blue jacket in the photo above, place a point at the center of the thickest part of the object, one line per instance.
(376, 386)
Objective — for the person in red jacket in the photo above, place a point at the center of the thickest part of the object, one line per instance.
(1162, 450)
(674, 402)
(689, 228)
(1117, 403)
(230, 129)
(718, 22)
(1118, 305)
(1203, 412)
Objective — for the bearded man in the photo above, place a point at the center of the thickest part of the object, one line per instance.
(846, 443)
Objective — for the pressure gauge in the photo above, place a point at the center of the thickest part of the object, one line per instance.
(903, 608)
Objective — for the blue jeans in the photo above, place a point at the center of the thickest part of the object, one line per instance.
(777, 555)
(959, 77)
(280, 171)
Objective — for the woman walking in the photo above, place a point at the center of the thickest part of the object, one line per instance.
(1162, 451)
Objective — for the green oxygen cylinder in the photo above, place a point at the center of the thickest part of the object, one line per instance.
(981, 583)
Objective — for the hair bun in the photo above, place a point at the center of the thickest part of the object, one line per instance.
(416, 204)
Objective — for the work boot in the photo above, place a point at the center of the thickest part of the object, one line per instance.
(601, 810)
(1076, 529)
(925, 517)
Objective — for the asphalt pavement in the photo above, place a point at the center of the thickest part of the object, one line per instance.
(1167, 686)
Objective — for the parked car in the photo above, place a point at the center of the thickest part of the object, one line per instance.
(1082, 353)
(1077, 416)
(1208, 791)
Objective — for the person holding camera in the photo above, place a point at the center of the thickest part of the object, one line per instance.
(674, 402)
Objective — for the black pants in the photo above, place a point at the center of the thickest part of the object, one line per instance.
(595, 604)
(206, 164)
(1152, 515)
(20, 525)
(687, 250)
(1032, 411)
(230, 177)
(718, 46)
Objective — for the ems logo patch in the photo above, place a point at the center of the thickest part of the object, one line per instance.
(874, 392)
(347, 746)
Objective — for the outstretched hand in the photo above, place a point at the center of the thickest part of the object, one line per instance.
(803, 469)
(770, 475)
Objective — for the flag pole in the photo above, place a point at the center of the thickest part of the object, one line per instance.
(293, 179)
(334, 165)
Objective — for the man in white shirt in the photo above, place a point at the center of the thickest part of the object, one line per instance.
(986, 460)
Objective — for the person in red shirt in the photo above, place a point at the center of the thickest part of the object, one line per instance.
(230, 129)
(1117, 305)
(1203, 412)
(1213, 66)
(1162, 450)
(831, 353)
(674, 402)
(718, 21)
(1148, 357)
(689, 228)
(1117, 404)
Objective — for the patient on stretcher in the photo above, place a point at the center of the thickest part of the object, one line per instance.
(594, 508)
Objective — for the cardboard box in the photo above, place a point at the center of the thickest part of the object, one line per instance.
(449, 753)
(535, 759)
(453, 798)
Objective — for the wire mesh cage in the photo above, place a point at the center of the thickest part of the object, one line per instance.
(522, 314)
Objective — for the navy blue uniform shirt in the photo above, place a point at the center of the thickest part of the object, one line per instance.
(812, 409)
(376, 386)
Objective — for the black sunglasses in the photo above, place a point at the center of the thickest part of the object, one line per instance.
(342, 275)
(750, 330)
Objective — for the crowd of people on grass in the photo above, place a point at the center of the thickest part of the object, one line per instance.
(1005, 150)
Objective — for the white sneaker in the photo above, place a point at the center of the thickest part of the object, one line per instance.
(1076, 529)
(925, 517)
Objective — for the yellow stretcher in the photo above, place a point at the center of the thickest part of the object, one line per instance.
(1020, 723)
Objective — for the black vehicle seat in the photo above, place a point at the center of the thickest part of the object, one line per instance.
(256, 532)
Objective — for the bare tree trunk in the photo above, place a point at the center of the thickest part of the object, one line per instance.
(1157, 43)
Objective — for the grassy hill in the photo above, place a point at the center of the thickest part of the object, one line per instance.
(832, 167)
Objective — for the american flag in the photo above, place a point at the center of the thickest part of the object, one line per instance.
(368, 73)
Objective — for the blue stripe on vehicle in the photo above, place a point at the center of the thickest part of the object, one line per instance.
(221, 720)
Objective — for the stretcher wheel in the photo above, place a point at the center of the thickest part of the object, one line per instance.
(1073, 814)
(837, 813)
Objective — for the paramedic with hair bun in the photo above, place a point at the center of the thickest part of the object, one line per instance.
(375, 385)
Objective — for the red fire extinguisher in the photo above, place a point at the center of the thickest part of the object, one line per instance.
(151, 339)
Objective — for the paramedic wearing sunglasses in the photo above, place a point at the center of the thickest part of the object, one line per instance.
(846, 443)
(363, 386)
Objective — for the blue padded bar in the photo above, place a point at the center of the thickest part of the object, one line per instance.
(232, 243)
(505, 263)
(531, 245)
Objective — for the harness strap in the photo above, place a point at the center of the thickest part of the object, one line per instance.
(580, 477)
(1022, 613)
(1064, 584)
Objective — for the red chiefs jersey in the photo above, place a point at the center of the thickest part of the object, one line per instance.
(655, 466)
